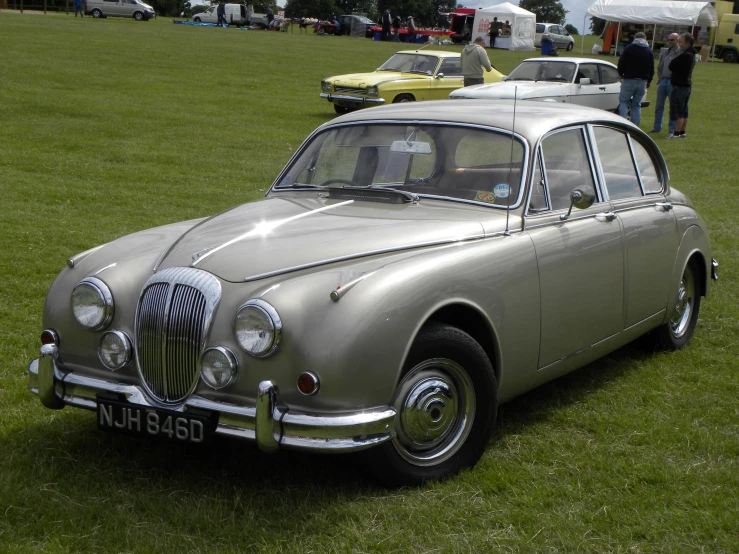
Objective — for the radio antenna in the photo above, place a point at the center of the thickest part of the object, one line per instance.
(510, 165)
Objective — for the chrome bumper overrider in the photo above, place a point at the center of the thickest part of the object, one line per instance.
(356, 99)
(268, 423)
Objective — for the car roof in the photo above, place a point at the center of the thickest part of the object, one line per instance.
(440, 53)
(533, 118)
(570, 60)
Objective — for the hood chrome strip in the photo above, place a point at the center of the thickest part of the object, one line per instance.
(264, 228)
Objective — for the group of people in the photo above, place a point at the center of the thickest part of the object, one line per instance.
(498, 29)
(396, 23)
(674, 74)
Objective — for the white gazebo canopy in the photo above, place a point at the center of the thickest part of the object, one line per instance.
(522, 22)
(655, 12)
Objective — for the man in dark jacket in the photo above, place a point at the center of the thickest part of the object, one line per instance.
(386, 21)
(221, 12)
(682, 83)
(636, 68)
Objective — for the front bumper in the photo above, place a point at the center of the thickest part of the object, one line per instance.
(268, 423)
(359, 100)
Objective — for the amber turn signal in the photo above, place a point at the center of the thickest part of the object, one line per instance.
(48, 336)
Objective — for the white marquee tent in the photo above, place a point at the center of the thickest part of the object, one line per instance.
(654, 12)
(523, 26)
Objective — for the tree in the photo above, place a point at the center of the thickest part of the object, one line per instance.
(572, 29)
(320, 9)
(547, 11)
(597, 25)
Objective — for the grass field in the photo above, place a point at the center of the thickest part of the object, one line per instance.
(111, 126)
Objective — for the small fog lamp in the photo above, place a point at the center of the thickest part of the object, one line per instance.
(114, 350)
(308, 383)
(218, 367)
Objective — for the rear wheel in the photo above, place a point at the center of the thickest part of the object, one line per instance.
(96, 13)
(677, 332)
(730, 56)
(446, 403)
(404, 98)
(570, 46)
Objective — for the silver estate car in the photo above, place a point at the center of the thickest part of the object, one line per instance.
(410, 268)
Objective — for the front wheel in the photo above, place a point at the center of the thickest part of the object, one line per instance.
(196, 19)
(341, 110)
(138, 16)
(404, 98)
(96, 13)
(677, 332)
(445, 403)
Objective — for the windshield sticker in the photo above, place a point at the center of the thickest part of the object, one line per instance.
(485, 196)
(502, 190)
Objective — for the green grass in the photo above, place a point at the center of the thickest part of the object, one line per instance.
(108, 127)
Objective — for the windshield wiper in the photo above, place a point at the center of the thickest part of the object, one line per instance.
(418, 71)
(409, 195)
(388, 69)
(519, 79)
(299, 186)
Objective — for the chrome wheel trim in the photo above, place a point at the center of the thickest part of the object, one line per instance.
(684, 304)
(435, 403)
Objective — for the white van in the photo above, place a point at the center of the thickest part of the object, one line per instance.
(236, 14)
(120, 8)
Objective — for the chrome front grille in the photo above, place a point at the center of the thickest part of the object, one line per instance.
(347, 90)
(172, 323)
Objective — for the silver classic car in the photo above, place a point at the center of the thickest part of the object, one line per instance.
(409, 269)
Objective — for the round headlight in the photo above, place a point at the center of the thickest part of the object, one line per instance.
(114, 350)
(218, 367)
(258, 328)
(92, 304)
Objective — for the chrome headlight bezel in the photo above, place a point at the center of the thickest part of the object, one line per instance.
(232, 365)
(261, 309)
(127, 350)
(101, 290)
(373, 91)
(326, 86)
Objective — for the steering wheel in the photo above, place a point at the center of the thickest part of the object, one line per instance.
(345, 181)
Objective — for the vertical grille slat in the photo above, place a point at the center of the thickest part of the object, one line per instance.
(172, 321)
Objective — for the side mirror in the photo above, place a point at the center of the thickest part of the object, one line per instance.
(580, 198)
(439, 76)
(584, 81)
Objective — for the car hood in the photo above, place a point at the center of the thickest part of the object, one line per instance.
(362, 80)
(513, 89)
(295, 231)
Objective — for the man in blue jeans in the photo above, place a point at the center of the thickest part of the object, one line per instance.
(636, 68)
(664, 87)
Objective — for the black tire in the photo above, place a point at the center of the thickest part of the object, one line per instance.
(730, 56)
(341, 110)
(138, 16)
(96, 13)
(678, 330)
(446, 404)
(403, 98)
(570, 46)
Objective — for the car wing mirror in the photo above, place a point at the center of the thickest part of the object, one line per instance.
(439, 75)
(580, 198)
(584, 81)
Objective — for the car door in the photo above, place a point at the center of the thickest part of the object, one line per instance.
(453, 79)
(111, 7)
(580, 258)
(592, 93)
(635, 186)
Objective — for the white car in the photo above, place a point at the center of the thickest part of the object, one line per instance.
(582, 81)
(558, 33)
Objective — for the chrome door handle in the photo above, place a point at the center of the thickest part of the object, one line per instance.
(666, 206)
(605, 216)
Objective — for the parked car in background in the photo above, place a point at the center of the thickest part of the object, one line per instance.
(120, 8)
(407, 76)
(236, 14)
(559, 35)
(582, 81)
(409, 269)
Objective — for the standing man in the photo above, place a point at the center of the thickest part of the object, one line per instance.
(411, 29)
(78, 8)
(682, 72)
(396, 28)
(474, 60)
(386, 21)
(664, 86)
(221, 12)
(494, 30)
(636, 68)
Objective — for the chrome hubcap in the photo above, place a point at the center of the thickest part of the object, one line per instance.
(435, 403)
(683, 305)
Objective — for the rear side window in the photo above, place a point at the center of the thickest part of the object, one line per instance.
(608, 74)
(620, 176)
(647, 170)
(566, 166)
(451, 68)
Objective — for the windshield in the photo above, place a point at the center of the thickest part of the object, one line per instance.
(462, 163)
(411, 63)
(560, 72)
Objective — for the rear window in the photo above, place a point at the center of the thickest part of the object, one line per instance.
(540, 28)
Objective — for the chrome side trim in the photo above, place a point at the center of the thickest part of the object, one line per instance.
(267, 423)
(714, 269)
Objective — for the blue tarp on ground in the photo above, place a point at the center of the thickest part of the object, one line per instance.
(197, 23)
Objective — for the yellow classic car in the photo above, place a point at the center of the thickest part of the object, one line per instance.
(406, 77)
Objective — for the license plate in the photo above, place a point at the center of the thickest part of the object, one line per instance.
(348, 104)
(122, 417)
